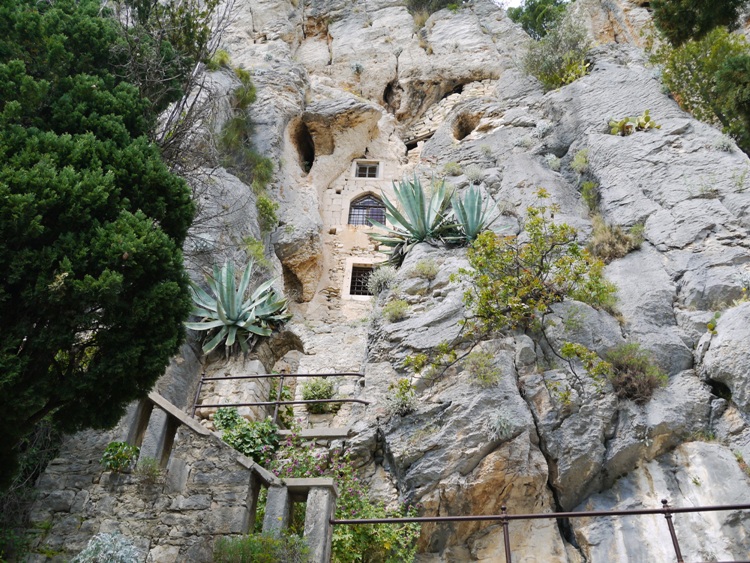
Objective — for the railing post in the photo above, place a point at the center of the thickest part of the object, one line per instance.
(278, 398)
(675, 543)
(506, 534)
(198, 394)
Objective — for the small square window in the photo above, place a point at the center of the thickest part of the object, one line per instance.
(366, 170)
(360, 277)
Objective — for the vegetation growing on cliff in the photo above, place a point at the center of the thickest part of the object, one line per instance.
(538, 17)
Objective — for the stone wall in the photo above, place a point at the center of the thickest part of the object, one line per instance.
(207, 490)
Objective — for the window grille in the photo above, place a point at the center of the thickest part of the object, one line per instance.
(366, 170)
(365, 209)
(360, 277)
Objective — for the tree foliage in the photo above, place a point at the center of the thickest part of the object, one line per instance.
(537, 17)
(515, 280)
(682, 20)
(707, 78)
(91, 225)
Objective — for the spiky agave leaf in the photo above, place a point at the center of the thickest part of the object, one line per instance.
(472, 214)
(414, 219)
(225, 308)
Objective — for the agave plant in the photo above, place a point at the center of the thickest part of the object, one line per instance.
(472, 215)
(229, 315)
(415, 219)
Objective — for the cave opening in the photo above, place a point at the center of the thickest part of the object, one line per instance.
(464, 125)
(305, 145)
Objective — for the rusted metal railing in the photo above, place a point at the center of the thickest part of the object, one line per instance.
(278, 400)
(504, 518)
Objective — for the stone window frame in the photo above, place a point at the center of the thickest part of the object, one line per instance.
(351, 263)
(380, 218)
(366, 165)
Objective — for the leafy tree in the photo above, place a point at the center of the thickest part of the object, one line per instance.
(94, 291)
(682, 20)
(706, 78)
(537, 17)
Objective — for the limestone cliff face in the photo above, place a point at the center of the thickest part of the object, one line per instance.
(345, 83)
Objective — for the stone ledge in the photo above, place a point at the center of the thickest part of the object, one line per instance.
(300, 487)
(320, 433)
(182, 417)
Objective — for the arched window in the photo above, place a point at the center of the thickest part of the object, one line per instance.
(365, 209)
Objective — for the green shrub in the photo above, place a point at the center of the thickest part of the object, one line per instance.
(559, 57)
(220, 59)
(395, 310)
(629, 125)
(681, 20)
(254, 439)
(481, 366)
(538, 17)
(401, 398)
(256, 251)
(381, 278)
(426, 269)
(109, 548)
(119, 456)
(316, 389)
(553, 162)
(227, 418)
(610, 242)
(634, 375)
(580, 162)
(230, 315)
(590, 194)
(429, 6)
(514, 280)
(452, 169)
(149, 471)
(265, 547)
(267, 213)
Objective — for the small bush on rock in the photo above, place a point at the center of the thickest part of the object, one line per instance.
(316, 389)
(395, 310)
(401, 398)
(381, 278)
(590, 194)
(481, 366)
(634, 375)
(610, 242)
(538, 17)
(629, 125)
(227, 418)
(149, 471)
(580, 162)
(426, 269)
(452, 169)
(558, 58)
(497, 427)
(265, 547)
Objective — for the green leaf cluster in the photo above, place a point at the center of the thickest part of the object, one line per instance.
(119, 456)
(538, 17)
(319, 388)
(629, 125)
(230, 315)
(255, 439)
(516, 279)
(94, 291)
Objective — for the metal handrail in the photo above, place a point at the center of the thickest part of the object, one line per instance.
(278, 400)
(505, 518)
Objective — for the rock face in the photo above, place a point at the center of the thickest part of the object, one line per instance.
(343, 84)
